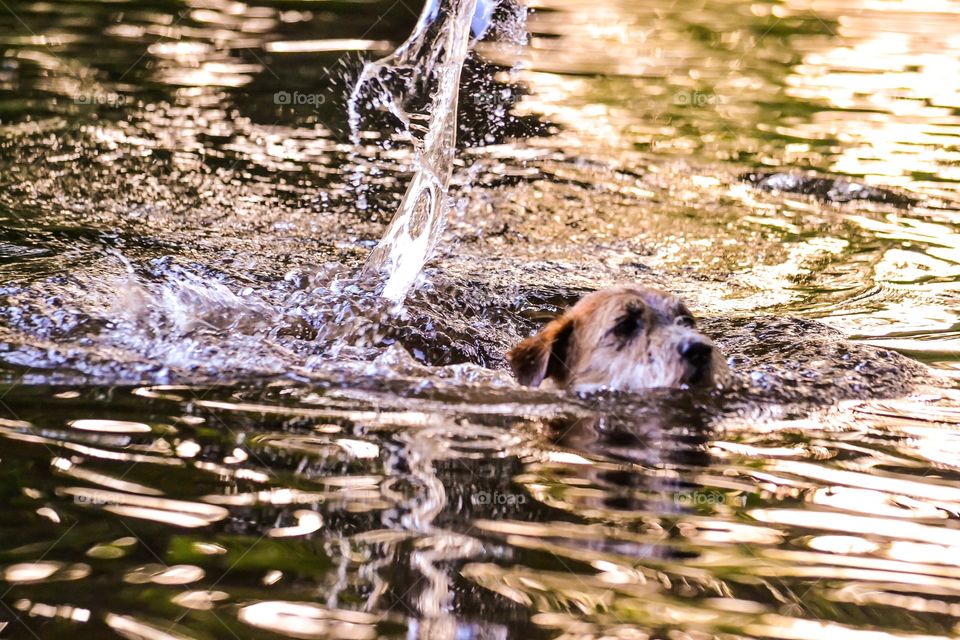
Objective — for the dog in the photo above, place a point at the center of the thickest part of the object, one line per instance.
(628, 338)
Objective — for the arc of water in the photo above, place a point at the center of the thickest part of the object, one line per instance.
(438, 46)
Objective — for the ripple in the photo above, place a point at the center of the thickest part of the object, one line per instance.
(175, 512)
(29, 572)
(134, 629)
(206, 415)
(200, 600)
(162, 574)
(110, 426)
(833, 521)
(306, 620)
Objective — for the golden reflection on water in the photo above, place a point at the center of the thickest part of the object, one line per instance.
(890, 89)
(880, 83)
(806, 518)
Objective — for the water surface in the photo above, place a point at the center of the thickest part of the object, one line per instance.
(212, 429)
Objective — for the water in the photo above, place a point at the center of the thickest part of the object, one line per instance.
(431, 67)
(212, 429)
(418, 85)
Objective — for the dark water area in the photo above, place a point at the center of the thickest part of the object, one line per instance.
(211, 428)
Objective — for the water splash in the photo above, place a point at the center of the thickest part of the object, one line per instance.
(418, 85)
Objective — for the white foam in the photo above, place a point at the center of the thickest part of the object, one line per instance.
(432, 57)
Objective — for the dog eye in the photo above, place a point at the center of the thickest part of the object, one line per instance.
(686, 321)
(629, 323)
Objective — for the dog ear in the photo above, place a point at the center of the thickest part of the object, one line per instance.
(543, 355)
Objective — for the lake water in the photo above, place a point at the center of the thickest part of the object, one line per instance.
(210, 428)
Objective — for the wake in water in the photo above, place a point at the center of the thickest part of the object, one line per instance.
(135, 317)
(418, 85)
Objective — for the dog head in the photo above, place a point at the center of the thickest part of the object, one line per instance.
(627, 338)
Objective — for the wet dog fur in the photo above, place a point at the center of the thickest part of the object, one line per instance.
(626, 338)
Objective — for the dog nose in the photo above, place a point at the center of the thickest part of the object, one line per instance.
(698, 354)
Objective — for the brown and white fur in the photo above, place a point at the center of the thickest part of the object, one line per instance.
(627, 338)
